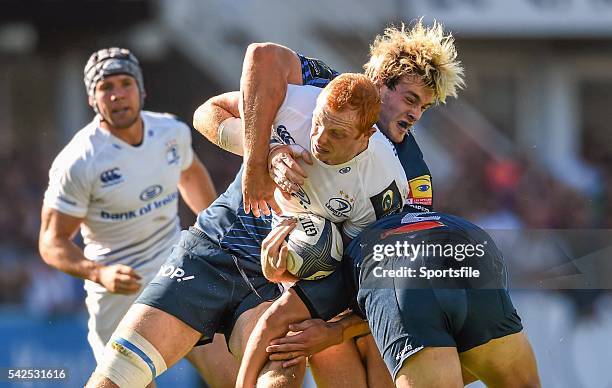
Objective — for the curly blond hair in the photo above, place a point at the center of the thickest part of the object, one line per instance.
(421, 51)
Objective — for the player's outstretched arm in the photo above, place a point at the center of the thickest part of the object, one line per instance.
(266, 71)
(57, 250)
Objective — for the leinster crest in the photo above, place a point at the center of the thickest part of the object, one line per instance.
(172, 153)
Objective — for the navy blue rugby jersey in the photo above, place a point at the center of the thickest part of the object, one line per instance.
(440, 231)
(227, 225)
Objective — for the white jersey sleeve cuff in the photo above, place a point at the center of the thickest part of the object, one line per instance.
(350, 230)
(65, 206)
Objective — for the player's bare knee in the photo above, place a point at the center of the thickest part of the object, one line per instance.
(284, 312)
(273, 375)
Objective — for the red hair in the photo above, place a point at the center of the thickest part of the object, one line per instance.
(354, 92)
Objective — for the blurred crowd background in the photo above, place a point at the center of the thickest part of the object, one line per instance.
(526, 146)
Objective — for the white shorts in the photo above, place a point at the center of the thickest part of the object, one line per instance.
(106, 309)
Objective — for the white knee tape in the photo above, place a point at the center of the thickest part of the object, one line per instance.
(130, 360)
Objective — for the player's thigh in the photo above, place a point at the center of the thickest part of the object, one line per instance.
(276, 317)
(503, 362)
(244, 327)
(339, 366)
(170, 336)
(431, 367)
(215, 363)
(377, 373)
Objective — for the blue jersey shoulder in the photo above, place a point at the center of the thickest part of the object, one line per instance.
(315, 72)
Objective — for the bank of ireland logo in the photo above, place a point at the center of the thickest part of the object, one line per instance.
(151, 192)
(111, 177)
(172, 153)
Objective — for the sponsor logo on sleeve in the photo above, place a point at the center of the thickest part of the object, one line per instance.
(387, 201)
(420, 190)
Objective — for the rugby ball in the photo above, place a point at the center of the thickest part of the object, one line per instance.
(315, 247)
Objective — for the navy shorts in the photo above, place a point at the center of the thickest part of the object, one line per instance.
(327, 297)
(406, 320)
(206, 287)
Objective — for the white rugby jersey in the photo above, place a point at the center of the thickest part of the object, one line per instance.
(356, 193)
(126, 195)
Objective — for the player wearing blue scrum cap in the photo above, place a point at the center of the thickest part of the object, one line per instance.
(117, 182)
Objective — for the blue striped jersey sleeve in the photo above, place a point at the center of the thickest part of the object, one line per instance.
(316, 72)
